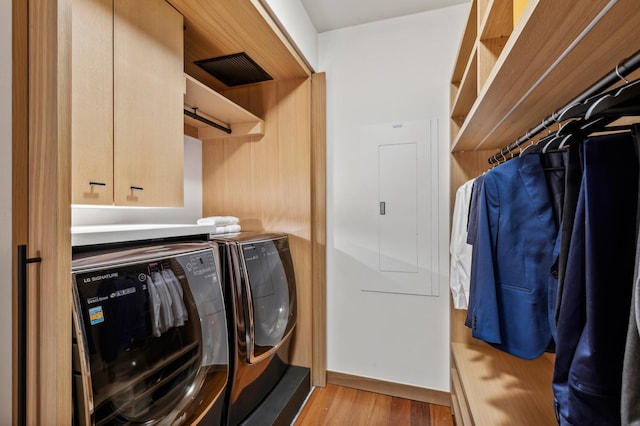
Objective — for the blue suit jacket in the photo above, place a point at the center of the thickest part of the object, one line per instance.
(513, 294)
(596, 297)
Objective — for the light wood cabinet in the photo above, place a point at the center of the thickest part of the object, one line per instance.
(127, 97)
(92, 102)
(518, 62)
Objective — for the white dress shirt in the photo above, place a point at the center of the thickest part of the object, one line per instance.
(459, 249)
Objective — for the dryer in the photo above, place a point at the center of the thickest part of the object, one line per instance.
(260, 296)
(150, 342)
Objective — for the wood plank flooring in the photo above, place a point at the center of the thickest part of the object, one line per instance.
(338, 405)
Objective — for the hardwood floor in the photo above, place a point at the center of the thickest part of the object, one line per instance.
(337, 405)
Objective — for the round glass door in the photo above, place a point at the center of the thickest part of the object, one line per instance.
(271, 293)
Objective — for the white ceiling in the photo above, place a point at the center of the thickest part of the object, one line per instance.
(328, 15)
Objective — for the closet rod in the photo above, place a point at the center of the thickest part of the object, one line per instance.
(624, 68)
(195, 116)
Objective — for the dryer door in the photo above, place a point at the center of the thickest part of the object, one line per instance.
(271, 295)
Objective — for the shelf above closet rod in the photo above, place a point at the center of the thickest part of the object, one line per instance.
(624, 68)
(210, 115)
(194, 114)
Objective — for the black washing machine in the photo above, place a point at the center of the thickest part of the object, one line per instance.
(150, 342)
(260, 296)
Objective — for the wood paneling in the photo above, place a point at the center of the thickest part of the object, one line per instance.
(266, 182)
(389, 388)
(49, 289)
(318, 230)
(223, 27)
(337, 405)
(148, 104)
(19, 161)
(465, 166)
(92, 102)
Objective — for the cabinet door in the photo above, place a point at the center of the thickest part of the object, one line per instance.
(148, 104)
(92, 102)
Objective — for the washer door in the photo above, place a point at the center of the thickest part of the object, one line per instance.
(271, 295)
(155, 338)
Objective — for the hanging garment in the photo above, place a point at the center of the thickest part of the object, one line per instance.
(474, 203)
(512, 289)
(630, 398)
(572, 189)
(459, 249)
(472, 230)
(595, 301)
(630, 404)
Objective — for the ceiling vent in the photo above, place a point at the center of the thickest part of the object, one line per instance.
(234, 70)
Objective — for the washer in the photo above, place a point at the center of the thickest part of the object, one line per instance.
(150, 343)
(260, 296)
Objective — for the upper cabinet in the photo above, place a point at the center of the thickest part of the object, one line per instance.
(92, 102)
(127, 98)
(521, 60)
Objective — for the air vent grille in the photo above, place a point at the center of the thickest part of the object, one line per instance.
(234, 70)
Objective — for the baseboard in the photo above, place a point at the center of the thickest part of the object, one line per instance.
(390, 388)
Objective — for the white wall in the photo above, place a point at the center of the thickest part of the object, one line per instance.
(192, 210)
(389, 71)
(293, 17)
(6, 251)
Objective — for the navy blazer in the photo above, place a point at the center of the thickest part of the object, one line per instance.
(596, 297)
(513, 294)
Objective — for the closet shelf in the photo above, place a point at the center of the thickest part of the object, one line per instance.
(557, 49)
(466, 45)
(468, 91)
(214, 107)
(493, 387)
(498, 19)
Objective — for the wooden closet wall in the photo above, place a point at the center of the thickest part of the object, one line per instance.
(266, 182)
(519, 61)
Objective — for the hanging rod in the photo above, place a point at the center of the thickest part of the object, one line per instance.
(624, 68)
(195, 116)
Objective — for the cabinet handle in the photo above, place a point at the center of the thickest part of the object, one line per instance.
(383, 208)
(23, 260)
(137, 188)
(97, 184)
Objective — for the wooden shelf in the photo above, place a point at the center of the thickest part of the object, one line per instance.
(499, 389)
(466, 45)
(544, 64)
(497, 21)
(468, 91)
(215, 107)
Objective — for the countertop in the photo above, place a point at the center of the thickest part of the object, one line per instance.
(103, 234)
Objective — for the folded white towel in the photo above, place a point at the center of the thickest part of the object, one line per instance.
(226, 220)
(206, 221)
(229, 229)
(218, 220)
